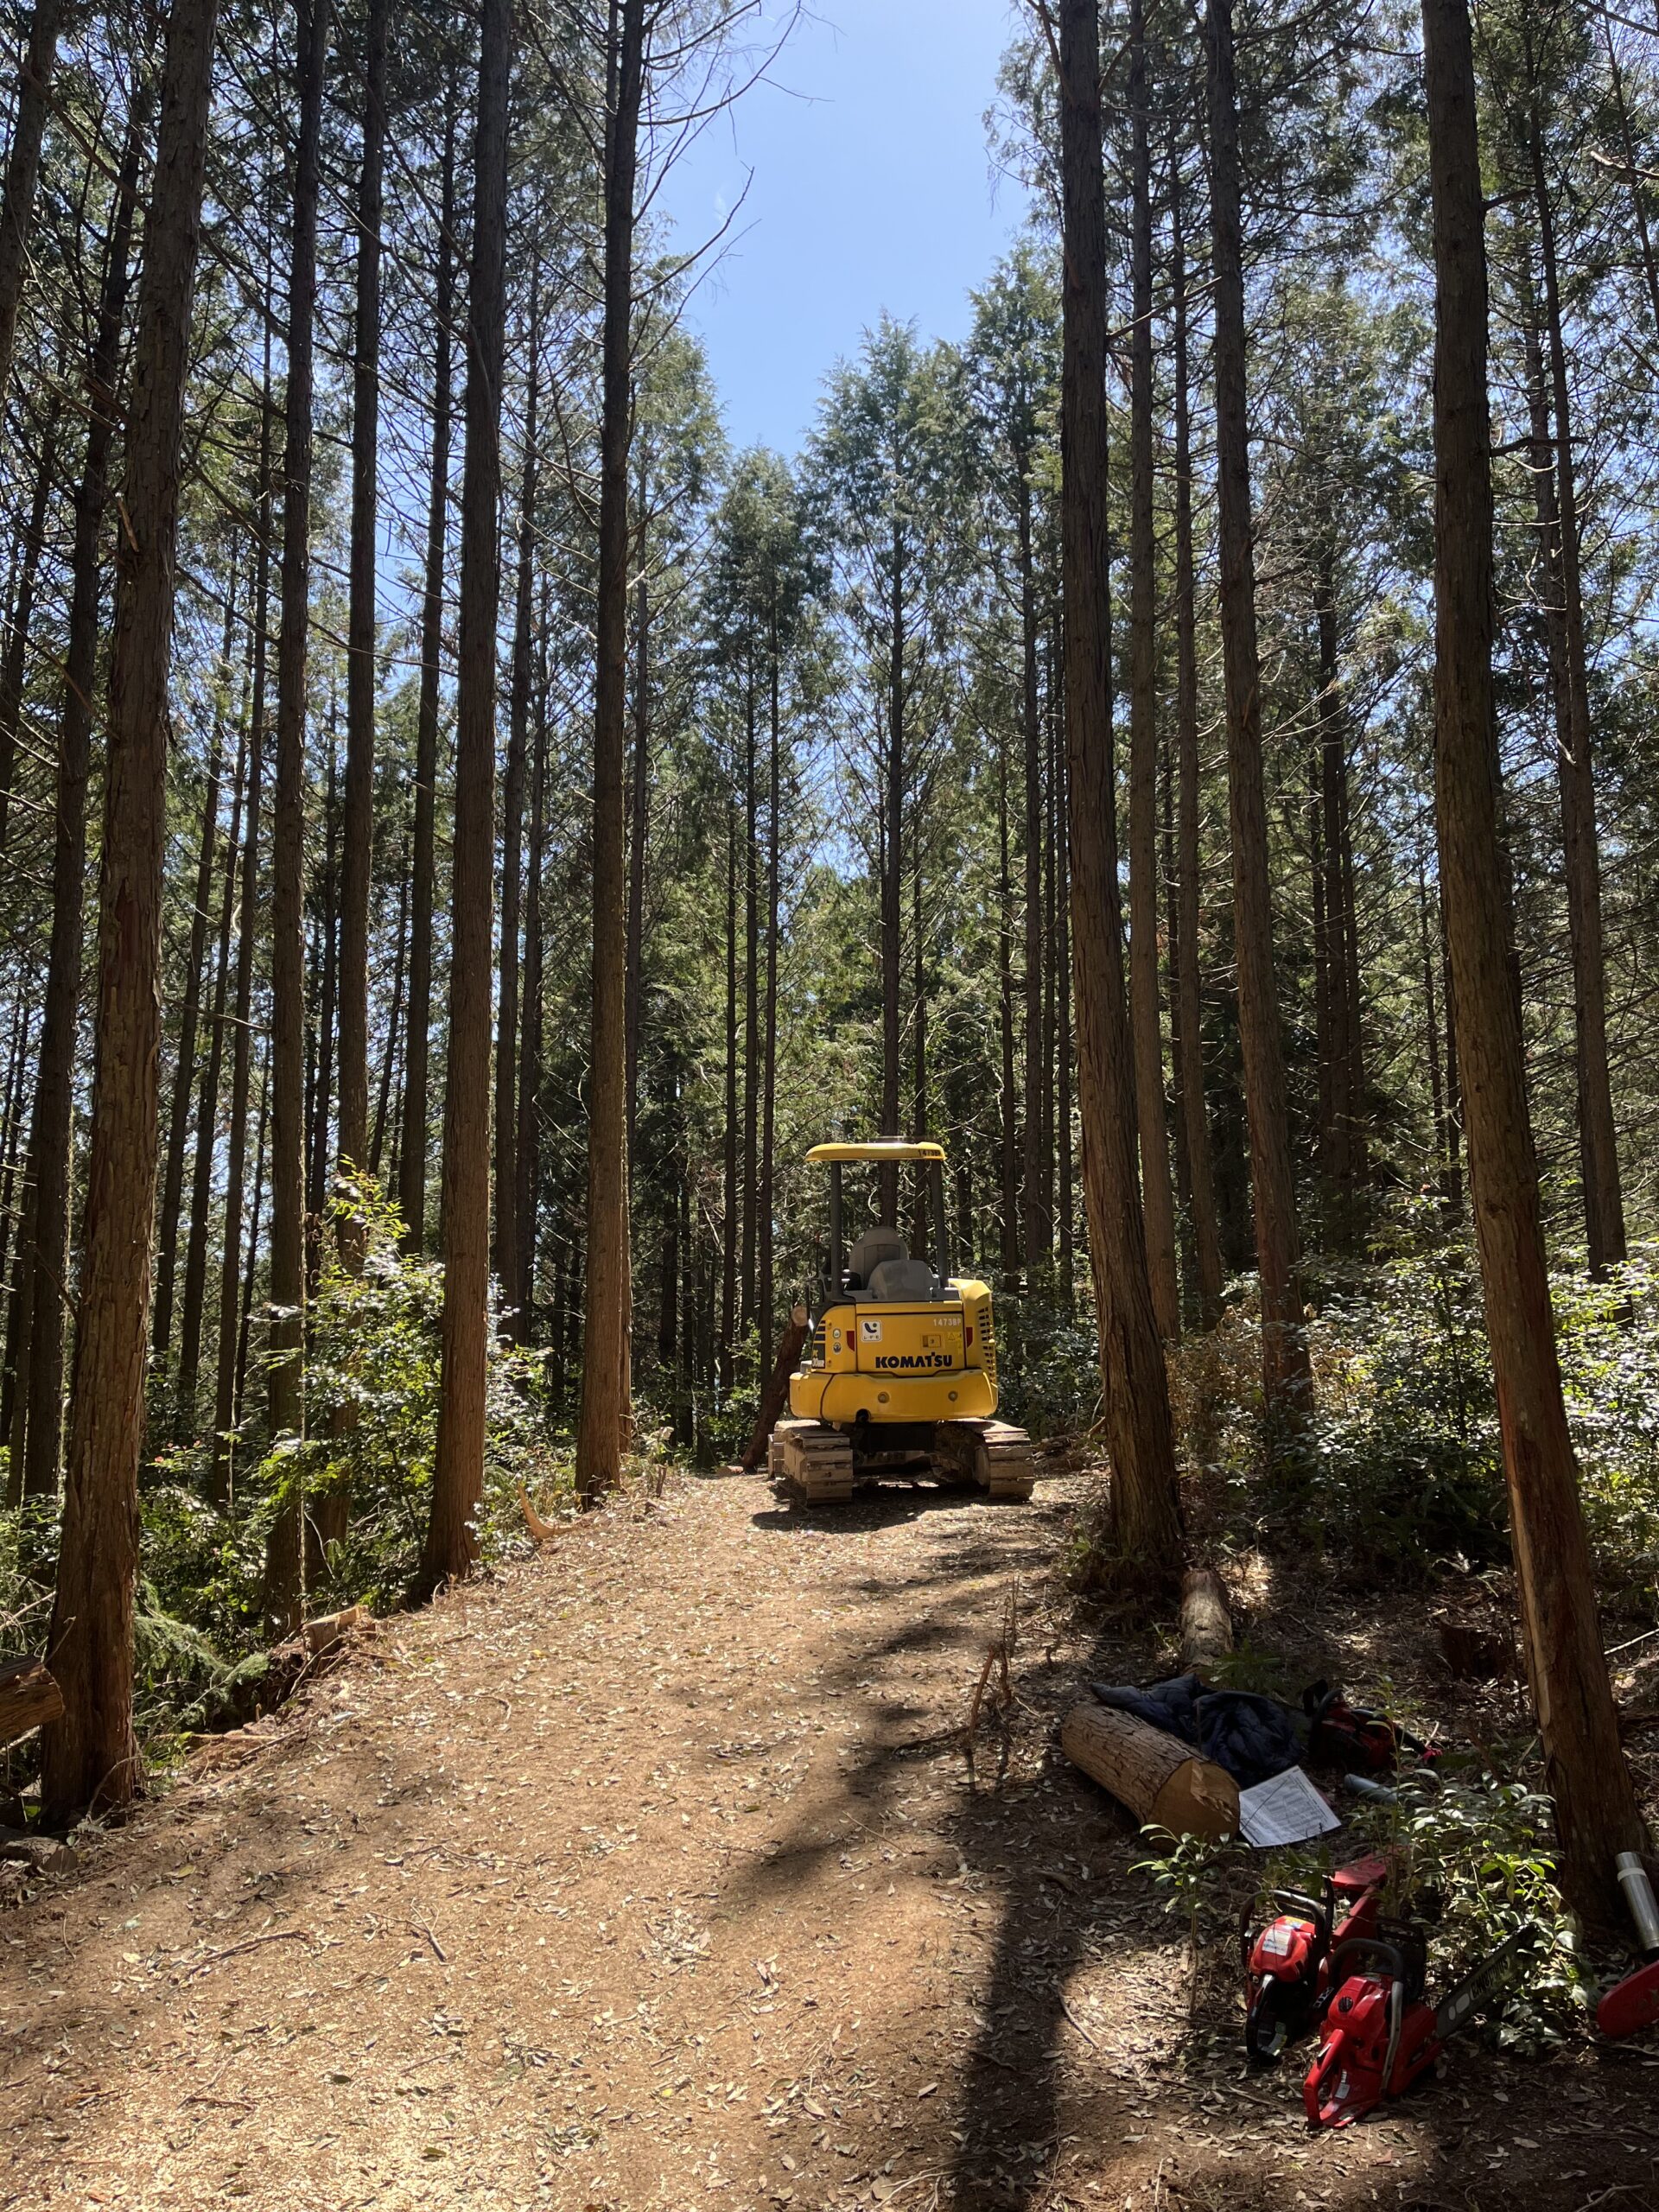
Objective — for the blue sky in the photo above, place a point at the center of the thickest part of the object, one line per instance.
(871, 190)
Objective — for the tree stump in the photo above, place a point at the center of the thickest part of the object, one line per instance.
(1206, 1624)
(1163, 1782)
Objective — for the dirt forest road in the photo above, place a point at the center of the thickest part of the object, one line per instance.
(651, 1874)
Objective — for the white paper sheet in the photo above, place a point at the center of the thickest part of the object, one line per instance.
(1287, 1809)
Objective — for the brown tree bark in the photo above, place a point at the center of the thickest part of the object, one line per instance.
(1146, 1502)
(1066, 1204)
(766, 1301)
(1206, 1232)
(603, 1431)
(23, 172)
(451, 1548)
(1604, 1202)
(14, 669)
(638, 817)
(1009, 1208)
(184, 1071)
(1596, 1813)
(285, 1377)
(1157, 1198)
(357, 825)
(227, 1386)
(1037, 1237)
(751, 1006)
(527, 1153)
(53, 1134)
(892, 847)
(1286, 1374)
(729, 1204)
(194, 1300)
(394, 1022)
(505, 1255)
(89, 1757)
(414, 1138)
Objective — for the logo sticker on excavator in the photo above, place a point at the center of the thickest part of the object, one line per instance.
(870, 1332)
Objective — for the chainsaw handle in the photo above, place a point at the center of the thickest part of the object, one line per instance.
(1370, 1946)
(1320, 2073)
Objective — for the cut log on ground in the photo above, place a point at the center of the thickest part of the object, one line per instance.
(45, 1853)
(322, 1634)
(1162, 1781)
(28, 1698)
(790, 1346)
(1206, 1624)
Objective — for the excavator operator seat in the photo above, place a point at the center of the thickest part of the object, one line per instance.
(902, 1281)
(880, 1264)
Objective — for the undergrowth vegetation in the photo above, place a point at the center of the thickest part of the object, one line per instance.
(1400, 1467)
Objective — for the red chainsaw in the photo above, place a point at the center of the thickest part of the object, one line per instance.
(1379, 2036)
(1287, 1965)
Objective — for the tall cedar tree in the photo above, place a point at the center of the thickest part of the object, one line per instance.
(1189, 1029)
(1145, 1007)
(1596, 1813)
(413, 1141)
(52, 1137)
(602, 1430)
(24, 171)
(89, 1757)
(1285, 1373)
(357, 829)
(451, 1546)
(1146, 1502)
(285, 1379)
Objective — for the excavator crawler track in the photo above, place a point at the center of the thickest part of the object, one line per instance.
(815, 1461)
(992, 1453)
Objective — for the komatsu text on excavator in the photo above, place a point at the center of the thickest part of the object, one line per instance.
(898, 1376)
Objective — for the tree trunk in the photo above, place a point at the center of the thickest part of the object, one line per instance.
(769, 1074)
(23, 172)
(638, 821)
(285, 1382)
(892, 824)
(1596, 1813)
(1145, 1497)
(507, 1226)
(451, 1548)
(1286, 1374)
(227, 1386)
(1431, 1020)
(195, 1254)
(1604, 1202)
(1009, 1249)
(1066, 1206)
(14, 669)
(394, 1021)
(90, 1758)
(527, 1152)
(1206, 1232)
(1343, 1052)
(751, 1006)
(184, 1073)
(53, 1136)
(325, 969)
(1036, 1232)
(357, 825)
(244, 1324)
(729, 1198)
(602, 1435)
(412, 1144)
(1157, 1200)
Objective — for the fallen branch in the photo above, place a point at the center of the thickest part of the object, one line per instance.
(252, 1943)
(540, 1532)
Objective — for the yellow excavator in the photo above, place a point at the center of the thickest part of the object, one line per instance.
(899, 1374)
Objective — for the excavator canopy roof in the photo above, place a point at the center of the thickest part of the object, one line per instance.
(884, 1151)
